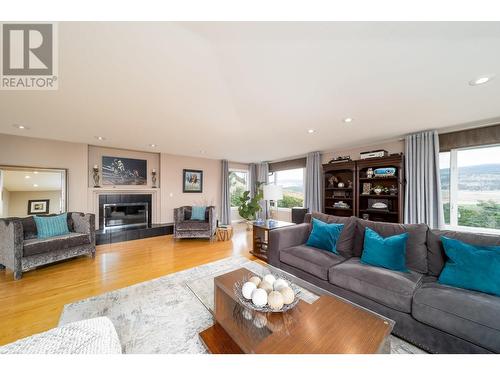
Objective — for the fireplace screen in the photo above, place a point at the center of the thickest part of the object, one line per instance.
(122, 215)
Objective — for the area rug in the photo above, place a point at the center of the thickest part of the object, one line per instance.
(165, 315)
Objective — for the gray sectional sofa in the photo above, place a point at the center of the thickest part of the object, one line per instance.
(435, 317)
(21, 249)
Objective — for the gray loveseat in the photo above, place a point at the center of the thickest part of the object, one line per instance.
(184, 227)
(21, 249)
(435, 317)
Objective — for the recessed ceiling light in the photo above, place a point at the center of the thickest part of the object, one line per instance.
(310, 131)
(348, 119)
(35, 172)
(27, 176)
(153, 145)
(99, 138)
(480, 80)
(21, 127)
(35, 185)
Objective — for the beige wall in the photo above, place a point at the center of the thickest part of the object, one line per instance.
(95, 157)
(391, 147)
(4, 204)
(171, 184)
(34, 152)
(18, 201)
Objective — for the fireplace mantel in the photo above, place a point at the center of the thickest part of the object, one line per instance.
(93, 199)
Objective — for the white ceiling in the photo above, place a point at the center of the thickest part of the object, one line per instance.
(250, 91)
(17, 181)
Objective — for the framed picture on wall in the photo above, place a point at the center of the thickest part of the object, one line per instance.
(192, 181)
(123, 171)
(38, 206)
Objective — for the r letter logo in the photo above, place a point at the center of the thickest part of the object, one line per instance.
(29, 58)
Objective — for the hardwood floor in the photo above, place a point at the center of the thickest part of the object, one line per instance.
(34, 303)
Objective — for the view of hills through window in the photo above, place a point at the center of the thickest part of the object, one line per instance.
(292, 183)
(238, 183)
(474, 199)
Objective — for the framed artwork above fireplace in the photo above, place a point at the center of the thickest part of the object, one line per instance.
(123, 171)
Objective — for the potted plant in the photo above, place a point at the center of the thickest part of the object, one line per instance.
(248, 207)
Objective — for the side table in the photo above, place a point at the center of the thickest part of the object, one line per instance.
(260, 236)
(224, 233)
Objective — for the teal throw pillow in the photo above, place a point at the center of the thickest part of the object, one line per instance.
(198, 213)
(471, 267)
(389, 252)
(51, 226)
(324, 236)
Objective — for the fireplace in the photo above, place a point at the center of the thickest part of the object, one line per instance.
(124, 211)
(125, 215)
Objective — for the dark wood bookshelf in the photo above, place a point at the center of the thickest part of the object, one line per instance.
(343, 173)
(359, 203)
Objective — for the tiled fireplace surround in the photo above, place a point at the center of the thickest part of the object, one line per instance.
(98, 196)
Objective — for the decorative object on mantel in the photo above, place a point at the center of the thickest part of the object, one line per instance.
(192, 181)
(340, 159)
(123, 171)
(95, 176)
(272, 294)
(38, 206)
(153, 178)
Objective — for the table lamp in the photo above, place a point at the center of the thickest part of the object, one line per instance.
(273, 193)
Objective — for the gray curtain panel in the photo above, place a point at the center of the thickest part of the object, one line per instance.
(252, 174)
(423, 186)
(225, 214)
(263, 176)
(314, 173)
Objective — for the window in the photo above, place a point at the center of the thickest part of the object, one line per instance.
(470, 186)
(238, 183)
(292, 183)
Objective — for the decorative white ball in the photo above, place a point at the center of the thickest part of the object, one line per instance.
(259, 297)
(275, 300)
(288, 295)
(256, 280)
(280, 284)
(248, 289)
(270, 279)
(266, 286)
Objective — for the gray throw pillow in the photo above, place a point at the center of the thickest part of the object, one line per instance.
(437, 256)
(345, 242)
(416, 247)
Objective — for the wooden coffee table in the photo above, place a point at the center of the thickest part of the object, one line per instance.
(329, 325)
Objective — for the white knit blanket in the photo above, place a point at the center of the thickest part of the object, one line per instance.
(91, 336)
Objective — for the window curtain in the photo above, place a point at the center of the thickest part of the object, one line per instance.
(313, 193)
(252, 177)
(263, 176)
(225, 215)
(423, 186)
